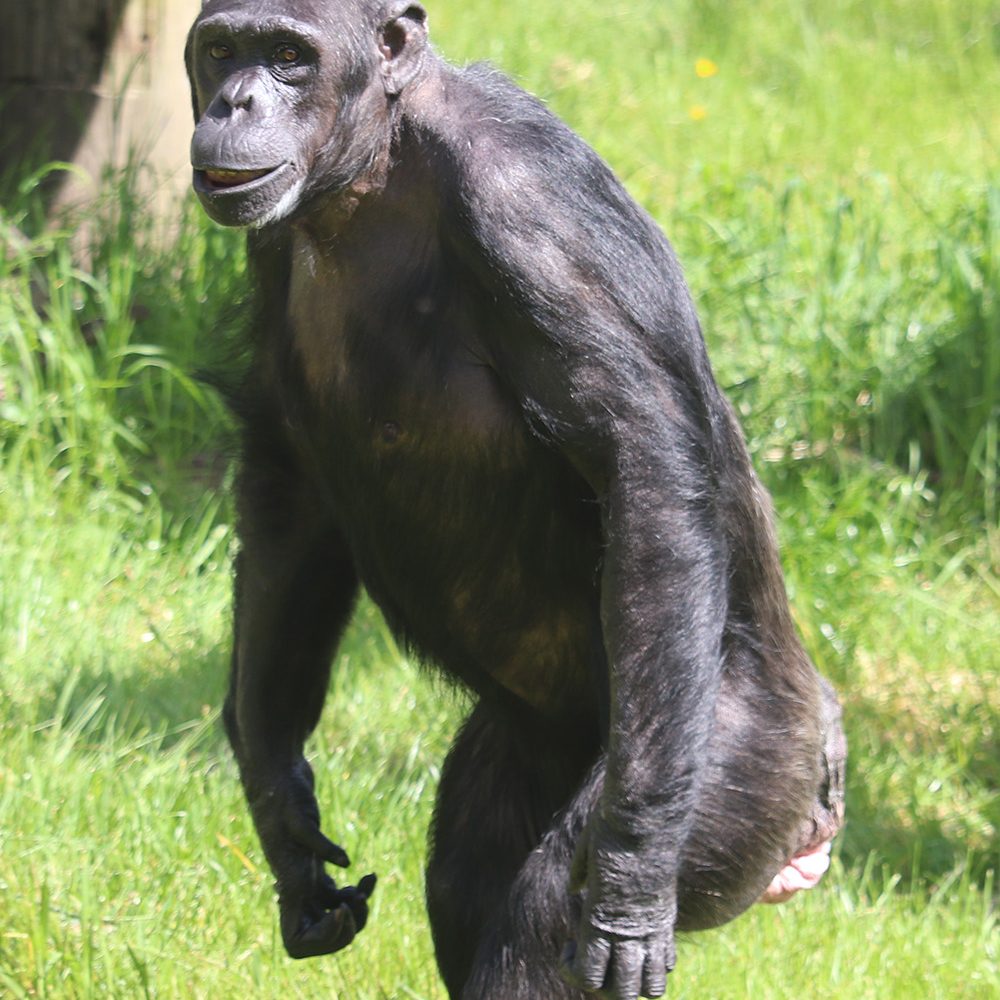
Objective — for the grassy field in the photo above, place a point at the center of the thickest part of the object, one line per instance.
(828, 173)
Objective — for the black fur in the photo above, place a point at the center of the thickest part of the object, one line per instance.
(479, 389)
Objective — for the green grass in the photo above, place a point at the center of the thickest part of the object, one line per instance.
(833, 193)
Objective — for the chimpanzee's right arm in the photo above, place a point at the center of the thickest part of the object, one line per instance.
(294, 591)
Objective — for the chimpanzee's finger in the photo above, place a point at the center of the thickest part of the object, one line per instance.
(585, 965)
(308, 835)
(626, 969)
(654, 973)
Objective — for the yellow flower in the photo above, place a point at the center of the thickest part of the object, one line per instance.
(697, 112)
(705, 68)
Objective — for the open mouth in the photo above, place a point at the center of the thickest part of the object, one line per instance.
(215, 179)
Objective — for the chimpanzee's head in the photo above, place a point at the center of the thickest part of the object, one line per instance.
(293, 98)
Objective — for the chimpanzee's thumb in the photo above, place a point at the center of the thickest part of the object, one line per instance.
(581, 859)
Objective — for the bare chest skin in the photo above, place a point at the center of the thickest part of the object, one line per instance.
(478, 541)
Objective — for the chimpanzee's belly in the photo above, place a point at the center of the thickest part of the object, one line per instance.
(483, 556)
(479, 543)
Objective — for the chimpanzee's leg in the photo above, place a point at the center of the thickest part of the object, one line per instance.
(506, 777)
(771, 802)
(497, 882)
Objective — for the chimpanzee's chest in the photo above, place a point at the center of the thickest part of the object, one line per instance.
(398, 379)
(477, 539)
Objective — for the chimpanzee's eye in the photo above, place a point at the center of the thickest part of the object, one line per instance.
(288, 55)
(219, 51)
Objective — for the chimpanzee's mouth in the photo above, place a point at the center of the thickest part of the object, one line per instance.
(217, 179)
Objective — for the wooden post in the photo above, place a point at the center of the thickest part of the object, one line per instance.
(96, 82)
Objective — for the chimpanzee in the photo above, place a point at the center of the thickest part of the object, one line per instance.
(478, 388)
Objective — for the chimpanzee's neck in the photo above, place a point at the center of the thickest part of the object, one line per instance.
(400, 186)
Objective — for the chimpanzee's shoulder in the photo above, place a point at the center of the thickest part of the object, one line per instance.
(542, 206)
(491, 131)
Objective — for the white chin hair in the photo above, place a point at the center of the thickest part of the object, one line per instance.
(282, 207)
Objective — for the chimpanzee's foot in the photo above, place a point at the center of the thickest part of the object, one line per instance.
(803, 872)
(812, 857)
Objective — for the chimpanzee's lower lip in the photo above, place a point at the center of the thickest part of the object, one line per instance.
(211, 180)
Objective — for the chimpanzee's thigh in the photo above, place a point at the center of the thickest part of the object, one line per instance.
(773, 788)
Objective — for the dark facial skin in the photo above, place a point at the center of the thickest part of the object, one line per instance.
(478, 388)
(285, 106)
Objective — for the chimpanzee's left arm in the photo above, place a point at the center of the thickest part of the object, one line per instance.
(606, 358)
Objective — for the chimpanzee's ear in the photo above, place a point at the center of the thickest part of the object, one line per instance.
(402, 42)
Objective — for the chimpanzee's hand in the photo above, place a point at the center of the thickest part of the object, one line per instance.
(316, 917)
(625, 941)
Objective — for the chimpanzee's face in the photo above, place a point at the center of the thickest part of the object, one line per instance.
(289, 97)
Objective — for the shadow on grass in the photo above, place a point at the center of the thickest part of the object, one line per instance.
(101, 705)
(923, 842)
(165, 694)
(160, 704)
